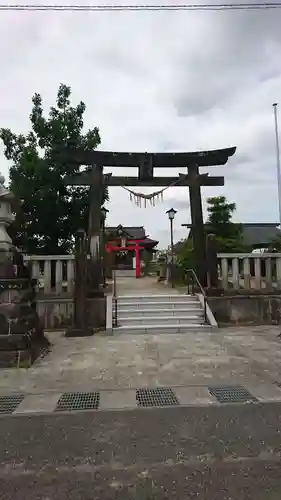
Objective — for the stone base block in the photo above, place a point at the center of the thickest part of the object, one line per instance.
(72, 332)
(95, 318)
(14, 342)
(96, 312)
(20, 350)
(23, 358)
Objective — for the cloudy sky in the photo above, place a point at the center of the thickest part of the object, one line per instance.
(157, 81)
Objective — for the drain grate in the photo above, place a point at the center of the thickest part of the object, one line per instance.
(232, 394)
(8, 404)
(156, 397)
(71, 401)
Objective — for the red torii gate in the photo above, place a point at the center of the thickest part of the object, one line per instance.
(131, 245)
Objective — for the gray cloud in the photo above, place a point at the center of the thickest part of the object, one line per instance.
(240, 47)
(158, 81)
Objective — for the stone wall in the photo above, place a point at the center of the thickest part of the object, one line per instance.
(254, 309)
(57, 313)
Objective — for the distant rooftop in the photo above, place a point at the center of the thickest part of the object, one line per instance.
(255, 233)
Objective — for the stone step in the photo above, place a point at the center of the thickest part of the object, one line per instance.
(161, 328)
(157, 305)
(148, 312)
(157, 298)
(167, 320)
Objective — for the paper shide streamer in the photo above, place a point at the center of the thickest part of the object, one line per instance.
(142, 199)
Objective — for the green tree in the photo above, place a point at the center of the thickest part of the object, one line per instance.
(228, 234)
(185, 254)
(51, 212)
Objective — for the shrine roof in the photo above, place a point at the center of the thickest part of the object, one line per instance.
(133, 232)
(151, 242)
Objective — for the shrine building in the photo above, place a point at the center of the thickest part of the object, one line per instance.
(125, 247)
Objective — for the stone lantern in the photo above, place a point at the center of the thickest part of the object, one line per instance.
(21, 334)
(7, 202)
(7, 205)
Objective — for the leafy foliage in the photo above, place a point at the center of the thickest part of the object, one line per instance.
(219, 223)
(51, 212)
(184, 254)
(228, 234)
(185, 258)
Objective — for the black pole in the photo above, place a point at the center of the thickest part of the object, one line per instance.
(103, 251)
(172, 251)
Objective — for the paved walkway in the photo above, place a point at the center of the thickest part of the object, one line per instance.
(246, 356)
(143, 286)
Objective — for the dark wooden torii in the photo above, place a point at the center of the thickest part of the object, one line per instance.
(95, 178)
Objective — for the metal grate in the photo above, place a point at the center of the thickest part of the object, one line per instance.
(8, 404)
(232, 394)
(156, 397)
(71, 401)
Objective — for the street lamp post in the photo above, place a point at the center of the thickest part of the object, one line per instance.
(171, 214)
(104, 213)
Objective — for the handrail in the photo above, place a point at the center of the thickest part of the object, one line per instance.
(205, 299)
(114, 283)
(114, 296)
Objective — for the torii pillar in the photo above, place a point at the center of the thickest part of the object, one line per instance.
(138, 266)
(198, 232)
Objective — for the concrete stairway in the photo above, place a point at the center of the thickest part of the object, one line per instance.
(159, 314)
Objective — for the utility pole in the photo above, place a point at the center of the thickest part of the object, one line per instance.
(275, 105)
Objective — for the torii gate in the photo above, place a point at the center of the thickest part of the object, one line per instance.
(145, 162)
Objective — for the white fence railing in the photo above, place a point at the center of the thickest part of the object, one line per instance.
(55, 273)
(250, 271)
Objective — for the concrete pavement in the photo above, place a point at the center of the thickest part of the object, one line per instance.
(143, 286)
(234, 356)
(200, 449)
(229, 452)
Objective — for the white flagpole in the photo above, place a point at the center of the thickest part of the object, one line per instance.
(275, 105)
